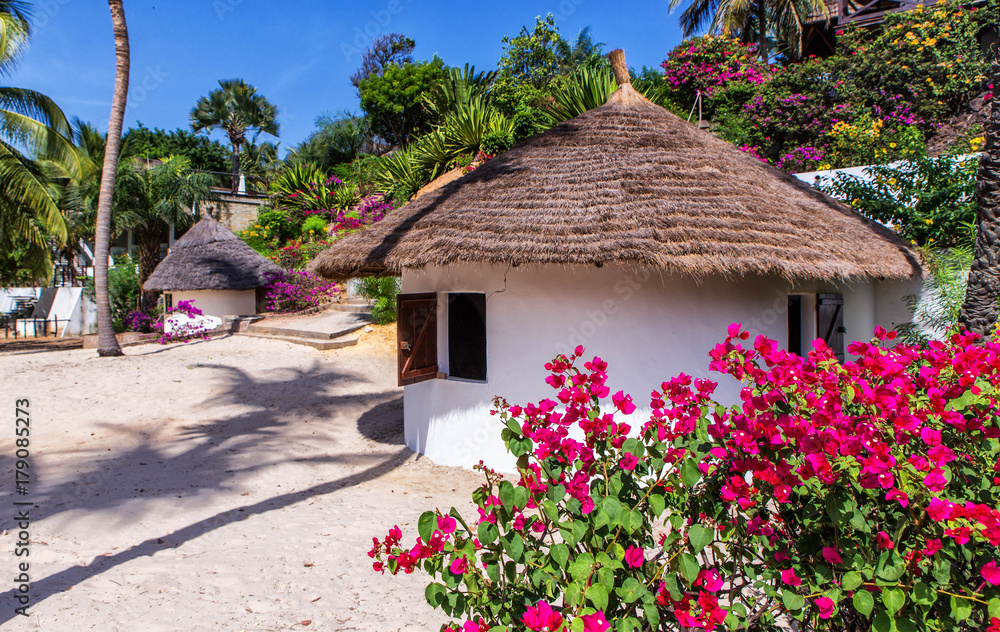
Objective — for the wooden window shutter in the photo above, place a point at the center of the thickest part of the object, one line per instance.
(416, 327)
(830, 322)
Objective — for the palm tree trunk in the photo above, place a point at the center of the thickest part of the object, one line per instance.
(762, 28)
(236, 167)
(107, 344)
(982, 294)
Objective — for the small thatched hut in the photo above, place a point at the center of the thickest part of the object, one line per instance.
(626, 230)
(214, 268)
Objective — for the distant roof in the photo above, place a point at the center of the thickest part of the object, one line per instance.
(210, 257)
(627, 183)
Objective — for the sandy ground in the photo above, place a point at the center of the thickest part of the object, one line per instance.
(230, 484)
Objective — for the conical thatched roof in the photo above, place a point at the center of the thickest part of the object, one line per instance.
(627, 183)
(210, 257)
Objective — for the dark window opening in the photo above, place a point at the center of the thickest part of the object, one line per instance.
(795, 324)
(467, 336)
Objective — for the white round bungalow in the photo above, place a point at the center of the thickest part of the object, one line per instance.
(214, 268)
(625, 230)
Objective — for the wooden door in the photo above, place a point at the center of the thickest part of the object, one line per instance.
(416, 337)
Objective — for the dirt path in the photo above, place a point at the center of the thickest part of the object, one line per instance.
(231, 484)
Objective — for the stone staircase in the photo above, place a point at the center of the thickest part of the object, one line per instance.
(330, 329)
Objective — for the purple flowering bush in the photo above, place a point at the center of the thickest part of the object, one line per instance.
(709, 63)
(295, 290)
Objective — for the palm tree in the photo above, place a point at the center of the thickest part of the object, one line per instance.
(236, 108)
(107, 344)
(32, 128)
(751, 20)
(149, 199)
(982, 294)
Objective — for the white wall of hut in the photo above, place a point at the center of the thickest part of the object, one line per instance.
(219, 303)
(648, 327)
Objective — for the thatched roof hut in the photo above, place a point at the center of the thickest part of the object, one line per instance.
(210, 257)
(633, 184)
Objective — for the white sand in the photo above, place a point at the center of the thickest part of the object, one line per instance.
(232, 484)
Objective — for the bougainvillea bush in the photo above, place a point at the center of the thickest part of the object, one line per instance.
(296, 290)
(709, 63)
(856, 496)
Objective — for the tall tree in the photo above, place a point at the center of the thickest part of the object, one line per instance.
(982, 294)
(751, 20)
(393, 102)
(107, 344)
(32, 128)
(386, 50)
(236, 108)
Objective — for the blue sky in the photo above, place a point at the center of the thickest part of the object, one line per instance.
(299, 53)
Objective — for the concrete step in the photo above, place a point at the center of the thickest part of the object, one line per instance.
(321, 345)
(264, 330)
(351, 308)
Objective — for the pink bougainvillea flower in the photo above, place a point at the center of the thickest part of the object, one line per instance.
(930, 436)
(518, 522)
(634, 557)
(460, 566)
(901, 497)
(788, 576)
(596, 622)
(825, 605)
(542, 617)
(883, 540)
(991, 573)
(935, 481)
(476, 626)
(709, 580)
(931, 547)
(446, 524)
(832, 556)
(623, 402)
(940, 510)
(628, 461)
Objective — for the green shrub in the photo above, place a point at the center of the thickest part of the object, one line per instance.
(314, 228)
(383, 291)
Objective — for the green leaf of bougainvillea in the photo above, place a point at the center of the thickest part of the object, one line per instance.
(960, 608)
(690, 474)
(435, 594)
(630, 590)
(426, 525)
(657, 503)
(893, 598)
(559, 554)
(672, 586)
(882, 622)
(922, 593)
(488, 533)
(513, 544)
(864, 602)
(689, 567)
(598, 595)
(506, 495)
(792, 600)
(994, 607)
(521, 496)
(700, 537)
